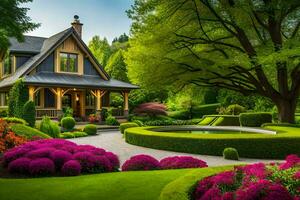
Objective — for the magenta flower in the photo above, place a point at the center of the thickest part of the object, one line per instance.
(59, 157)
(140, 162)
(203, 186)
(114, 160)
(290, 161)
(224, 178)
(277, 192)
(20, 165)
(213, 193)
(41, 167)
(257, 170)
(178, 162)
(71, 168)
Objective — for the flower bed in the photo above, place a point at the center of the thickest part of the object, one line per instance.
(255, 181)
(57, 156)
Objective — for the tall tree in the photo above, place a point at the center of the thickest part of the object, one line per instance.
(116, 66)
(101, 49)
(14, 22)
(248, 46)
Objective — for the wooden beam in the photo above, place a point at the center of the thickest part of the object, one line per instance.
(103, 92)
(31, 92)
(53, 90)
(98, 100)
(65, 91)
(58, 99)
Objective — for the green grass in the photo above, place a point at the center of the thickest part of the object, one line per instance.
(145, 185)
(27, 131)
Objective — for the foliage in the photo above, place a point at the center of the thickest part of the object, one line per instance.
(50, 128)
(28, 132)
(111, 120)
(75, 134)
(140, 162)
(18, 95)
(168, 122)
(90, 129)
(138, 122)
(124, 126)
(104, 114)
(15, 22)
(179, 162)
(151, 109)
(50, 155)
(100, 49)
(179, 114)
(273, 146)
(207, 120)
(226, 120)
(15, 120)
(68, 112)
(9, 140)
(122, 38)
(29, 113)
(255, 119)
(230, 154)
(93, 118)
(207, 109)
(68, 123)
(116, 67)
(253, 181)
(3, 112)
(234, 109)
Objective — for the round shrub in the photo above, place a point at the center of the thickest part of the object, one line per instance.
(20, 166)
(90, 129)
(41, 167)
(179, 162)
(50, 128)
(255, 119)
(67, 135)
(111, 120)
(114, 160)
(230, 154)
(140, 162)
(40, 153)
(124, 126)
(71, 168)
(29, 113)
(68, 123)
(59, 157)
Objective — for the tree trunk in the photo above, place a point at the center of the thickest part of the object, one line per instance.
(286, 110)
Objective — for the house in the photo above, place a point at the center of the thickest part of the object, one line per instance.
(60, 71)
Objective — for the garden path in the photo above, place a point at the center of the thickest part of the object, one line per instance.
(114, 141)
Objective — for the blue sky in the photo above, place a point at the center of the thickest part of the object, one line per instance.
(106, 18)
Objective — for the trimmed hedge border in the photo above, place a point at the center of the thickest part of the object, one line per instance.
(180, 189)
(248, 145)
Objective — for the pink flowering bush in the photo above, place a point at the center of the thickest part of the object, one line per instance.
(178, 162)
(140, 162)
(58, 156)
(254, 182)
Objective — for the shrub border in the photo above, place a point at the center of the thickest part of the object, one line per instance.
(248, 145)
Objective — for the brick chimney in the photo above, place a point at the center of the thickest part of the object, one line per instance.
(77, 25)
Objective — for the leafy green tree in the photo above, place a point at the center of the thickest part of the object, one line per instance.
(29, 113)
(247, 46)
(13, 22)
(116, 67)
(101, 49)
(18, 96)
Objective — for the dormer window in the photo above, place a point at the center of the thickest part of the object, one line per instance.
(68, 62)
(7, 67)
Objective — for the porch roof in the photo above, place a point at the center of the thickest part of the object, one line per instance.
(80, 81)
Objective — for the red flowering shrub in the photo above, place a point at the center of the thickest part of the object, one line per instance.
(93, 118)
(151, 109)
(254, 182)
(178, 162)
(140, 162)
(49, 156)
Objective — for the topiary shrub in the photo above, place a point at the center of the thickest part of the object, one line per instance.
(179, 162)
(208, 109)
(230, 154)
(90, 129)
(255, 119)
(124, 126)
(15, 120)
(50, 128)
(114, 160)
(138, 122)
(29, 113)
(234, 109)
(140, 162)
(79, 134)
(71, 168)
(18, 95)
(41, 167)
(28, 132)
(180, 114)
(68, 123)
(226, 120)
(66, 135)
(207, 120)
(111, 120)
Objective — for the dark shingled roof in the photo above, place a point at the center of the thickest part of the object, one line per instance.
(60, 79)
(31, 44)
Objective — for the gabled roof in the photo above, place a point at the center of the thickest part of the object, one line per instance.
(48, 46)
(31, 44)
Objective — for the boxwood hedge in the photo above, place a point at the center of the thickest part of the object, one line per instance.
(255, 119)
(287, 141)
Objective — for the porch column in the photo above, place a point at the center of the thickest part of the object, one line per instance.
(31, 92)
(98, 103)
(126, 109)
(58, 101)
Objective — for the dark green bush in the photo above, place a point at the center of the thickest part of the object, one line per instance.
(28, 132)
(281, 124)
(68, 123)
(3, 112)
(90, 129)
(255, 119)
(230, 154)
(67, 112)
(226, 120)
(50, 128)
(124, 126)
(18, 95)
(15, 120)
(75, 134)
(29, 113)
(104, 114)
(208, 109)
(111, 120)
(180, 114)
(248, 145)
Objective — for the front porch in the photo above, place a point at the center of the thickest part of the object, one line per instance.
(50, 101)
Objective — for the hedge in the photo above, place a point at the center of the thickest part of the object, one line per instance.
(181, 188)
(248, 145)
(28, 131)
(75, 134)
(226, 120)
(207, 120)
(15, 120)
(255, 119)
(29, 113)
(179, 114)
(207, 109)
(124, 126)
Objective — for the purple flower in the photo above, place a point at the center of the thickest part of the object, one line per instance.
(256, 170)
(297, 175)
(224, 178)
(213, 193)
(203, 186)
(71, 168)
(228, 196)
(277, 192)
(40, 153)
(41, 166)
(101, 164)
(86, 160)
(290, 161)
(178, 162)
(59, 157)
(20, 165)
(114, 160)
(140, 162)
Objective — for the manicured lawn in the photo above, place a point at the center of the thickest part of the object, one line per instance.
(124, 185)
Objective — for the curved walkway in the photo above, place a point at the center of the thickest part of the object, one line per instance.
(114, 141)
